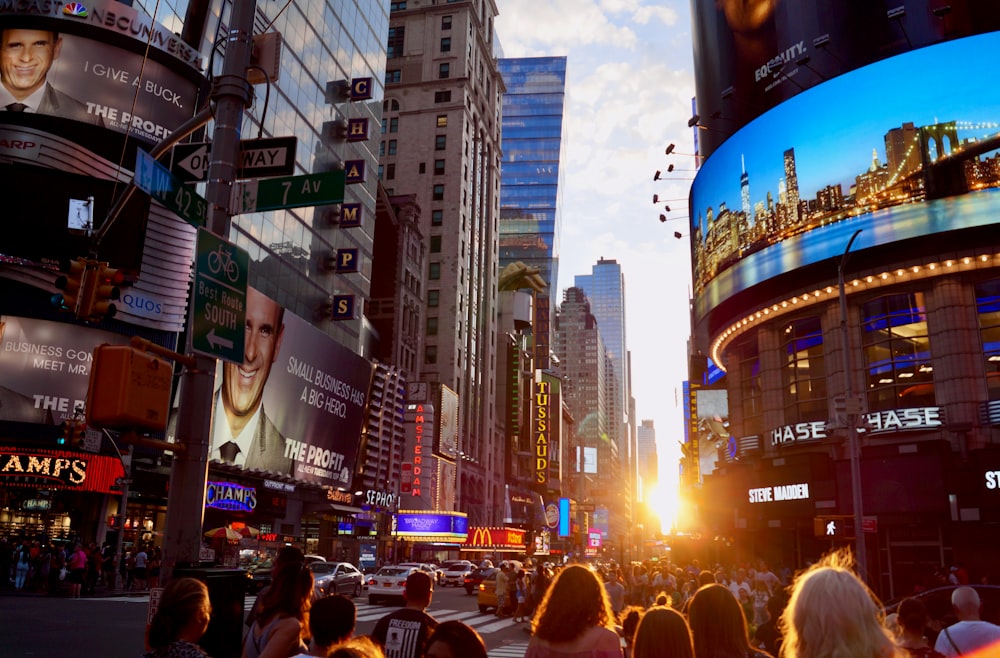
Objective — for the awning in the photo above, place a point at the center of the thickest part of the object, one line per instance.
(346, 509)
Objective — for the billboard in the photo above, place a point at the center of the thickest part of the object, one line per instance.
(297, 403)
(93, 80)
(446, 443)
(902, 159)
(750, 57)
(45, 368)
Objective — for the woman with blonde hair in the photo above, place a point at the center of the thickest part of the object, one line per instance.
(574, 619)
(181, 619)
(833, 614)
(662, 632)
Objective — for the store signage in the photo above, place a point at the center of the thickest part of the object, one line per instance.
(420, 423)
(58, 469)
(779, 493)
(279, 486)
(878, 422)
(482, 537)
(377, 498)
(594, 539)
(230, 496)
(36, 505)
(440, 525)
(338, 496)
(993, 479)
(541, 431)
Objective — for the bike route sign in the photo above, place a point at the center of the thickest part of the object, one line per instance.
(220, 295)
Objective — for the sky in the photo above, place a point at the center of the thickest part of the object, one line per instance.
(630, 81)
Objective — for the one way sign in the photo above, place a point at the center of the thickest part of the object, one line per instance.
(259, 158)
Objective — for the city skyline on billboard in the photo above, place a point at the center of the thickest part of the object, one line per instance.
(774, 196)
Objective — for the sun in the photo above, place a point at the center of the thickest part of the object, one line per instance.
(664, 501)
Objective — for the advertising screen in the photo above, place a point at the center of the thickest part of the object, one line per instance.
(751, 56)
(876, 149)
(296, 404)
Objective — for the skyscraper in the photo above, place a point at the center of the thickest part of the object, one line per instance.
(792, 185)
(745, 189)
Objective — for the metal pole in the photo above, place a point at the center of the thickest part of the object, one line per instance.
(853, 441)
(120, 541)
(186, 505)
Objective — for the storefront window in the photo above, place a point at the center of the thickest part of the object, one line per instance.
(897, 352)
(804, 373)
(750, 387)
(988, 307)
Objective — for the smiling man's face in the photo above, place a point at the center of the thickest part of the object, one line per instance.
(243, 385)
(27, 56)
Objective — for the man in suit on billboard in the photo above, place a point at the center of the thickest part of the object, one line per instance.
(25, 59)
(242, 432)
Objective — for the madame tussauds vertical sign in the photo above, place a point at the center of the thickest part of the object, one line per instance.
(540, 431)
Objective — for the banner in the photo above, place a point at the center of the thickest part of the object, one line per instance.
(45, 368)
(59, 469)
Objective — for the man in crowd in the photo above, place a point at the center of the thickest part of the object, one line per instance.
(970, 633)
(331, 621)
(404, 633)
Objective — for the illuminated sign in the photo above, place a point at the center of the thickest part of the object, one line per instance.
(432, 525)
(58, 469)
(594, 539)
(36, 505)
(798, 432)
(376, 498)
(481, 537)
(993, 479)
(230, 496)
(338, 496)
(541, 431)
(878, 422)
(422, 416)
(779, 493)
(564, 517)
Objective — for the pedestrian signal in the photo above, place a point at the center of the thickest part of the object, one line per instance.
(834, 527)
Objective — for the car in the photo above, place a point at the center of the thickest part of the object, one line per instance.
(389, 582)
(427, 568)
(486, 598)
(336, 578)
(939, 610)
(476, 576)
(259, 575)
(455, 571)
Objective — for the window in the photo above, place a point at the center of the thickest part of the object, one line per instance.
(435, 244)
(437, 217)
(446, 44)
(433, 298)
(438, 194)
(442, 96)
(446, 22)
(394, 46)
(384, 124)
(422, 167)
(804, 382)
(392, 147)
(988, 306)
(432, 326)
(440, 142)
(438, 167)
(434, 271)
(431, 354)
(381, 171)
(390, 172)
(442, 121)
(393, 76)
(394, 124)
(897, 352)
(397, 6)
(444, 70)
(751, 394)
(381, 149)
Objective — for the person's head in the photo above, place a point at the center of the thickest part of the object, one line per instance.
(911, 615)
(629, 621)
(454, 639)
(243, 385)
(706, 577)
(182, 614)
(966, 603)
(419, 589)
(662, 632)
(358, 647)
(290, 592)
(574, 602)
(831, 612)
(717, 622)
(331, 620)
(27, 56)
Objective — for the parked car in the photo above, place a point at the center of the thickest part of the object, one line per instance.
(939, 610)
(388, 582)
(472, 580)
(455, 571)
(336, 578)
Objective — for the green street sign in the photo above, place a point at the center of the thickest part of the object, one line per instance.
(288, 192)
(156, 180)
(219, 314)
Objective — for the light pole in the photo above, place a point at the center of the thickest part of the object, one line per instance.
(852, 407)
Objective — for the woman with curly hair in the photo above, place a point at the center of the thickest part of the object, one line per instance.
(181, 619)
(283, 619)
(718, 625)
(574, 619)
(832, 613)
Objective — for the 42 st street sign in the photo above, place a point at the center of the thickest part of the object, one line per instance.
(218, 320)
(259, 158)
(156, 180)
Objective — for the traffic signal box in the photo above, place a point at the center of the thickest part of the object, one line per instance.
(104, 290)
(129, 389)
(834, 527)
(72, 433)
(71, 283)
(89, 286)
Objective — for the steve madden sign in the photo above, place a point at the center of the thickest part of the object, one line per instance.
(877, 422)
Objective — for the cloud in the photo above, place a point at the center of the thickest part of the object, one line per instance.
(529, 28)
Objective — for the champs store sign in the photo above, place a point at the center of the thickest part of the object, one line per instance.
(493, 538)
(58, 469)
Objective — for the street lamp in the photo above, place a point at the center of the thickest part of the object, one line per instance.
(852, 407)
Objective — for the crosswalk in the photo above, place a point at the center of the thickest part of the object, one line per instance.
(512, 650)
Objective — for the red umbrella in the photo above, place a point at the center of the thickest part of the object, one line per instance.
(226, 533)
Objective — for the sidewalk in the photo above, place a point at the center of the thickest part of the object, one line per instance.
(63, 593)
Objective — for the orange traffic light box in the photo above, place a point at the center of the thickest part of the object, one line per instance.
(129, 389)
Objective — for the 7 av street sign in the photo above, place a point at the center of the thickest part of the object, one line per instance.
(288, 192)
(259, 158)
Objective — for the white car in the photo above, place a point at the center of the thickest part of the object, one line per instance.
(388, 582)
(455, 571)
(437, 577)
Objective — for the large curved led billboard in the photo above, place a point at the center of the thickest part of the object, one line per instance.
(751, 55)
(902, 148)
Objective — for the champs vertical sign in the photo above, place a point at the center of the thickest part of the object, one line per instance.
(541, 430)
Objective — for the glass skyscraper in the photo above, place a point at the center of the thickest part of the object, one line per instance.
(530, 175)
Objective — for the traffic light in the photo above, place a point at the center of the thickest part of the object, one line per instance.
(71, 433)
(834, 527)
(71, 283)
(105, 290)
